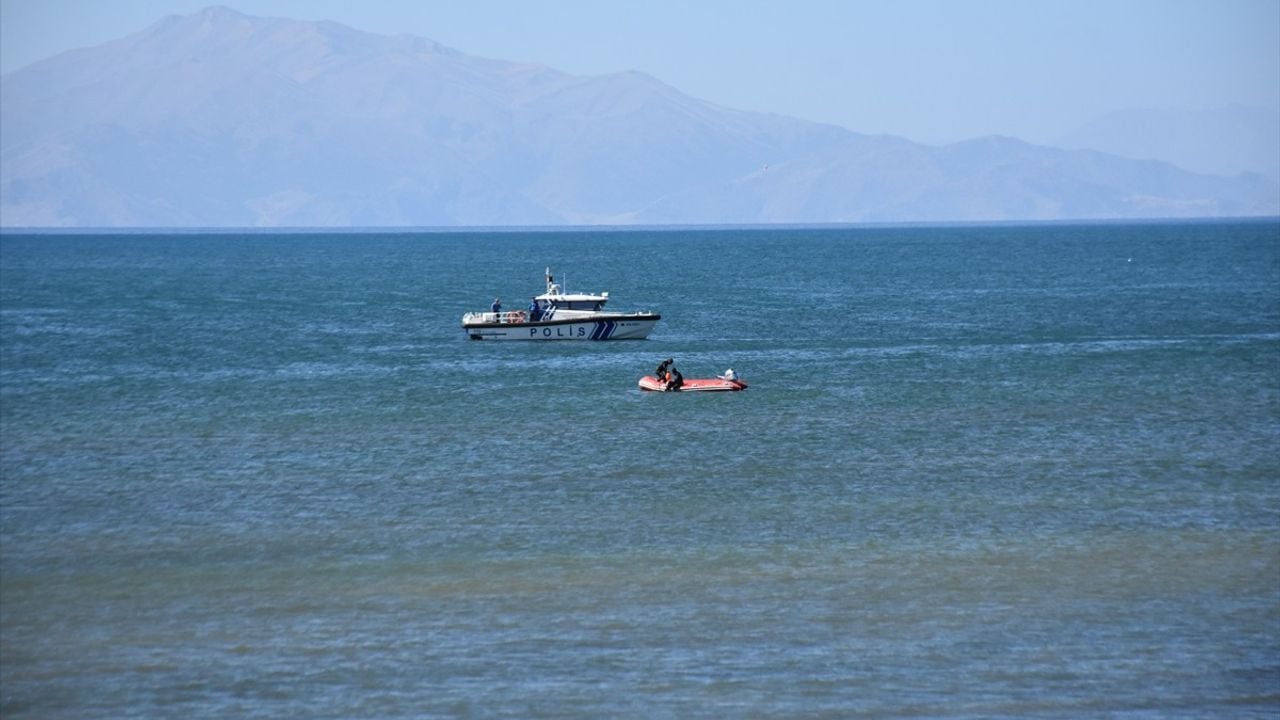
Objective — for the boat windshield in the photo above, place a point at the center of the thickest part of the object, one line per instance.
(595, 305)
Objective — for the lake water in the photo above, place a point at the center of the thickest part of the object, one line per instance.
(980, 471)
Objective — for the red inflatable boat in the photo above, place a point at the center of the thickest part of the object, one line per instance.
(716, 384)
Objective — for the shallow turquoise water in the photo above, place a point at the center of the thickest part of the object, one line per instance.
(981, 471)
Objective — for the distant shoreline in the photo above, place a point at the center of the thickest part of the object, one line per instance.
(445, 229)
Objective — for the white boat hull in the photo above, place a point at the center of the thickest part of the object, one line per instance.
(618, 327)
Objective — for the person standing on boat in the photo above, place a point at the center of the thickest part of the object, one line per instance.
(496, 307)
(533, 310)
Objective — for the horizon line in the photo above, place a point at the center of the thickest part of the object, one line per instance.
(440, 229)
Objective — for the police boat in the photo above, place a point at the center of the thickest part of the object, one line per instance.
(557, 315)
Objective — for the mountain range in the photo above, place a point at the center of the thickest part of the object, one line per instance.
(219, 119)
(1217, 141)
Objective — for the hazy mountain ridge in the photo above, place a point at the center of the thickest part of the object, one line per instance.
(221, 119)
(1219, 141)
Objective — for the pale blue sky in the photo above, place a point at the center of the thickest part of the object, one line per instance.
(930, 70)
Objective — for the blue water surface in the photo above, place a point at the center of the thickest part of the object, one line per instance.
(980, 471)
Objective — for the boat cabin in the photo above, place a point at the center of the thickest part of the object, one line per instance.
(550, 303)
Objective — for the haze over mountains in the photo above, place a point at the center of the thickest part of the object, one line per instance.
(218, 119)
(1220, 141)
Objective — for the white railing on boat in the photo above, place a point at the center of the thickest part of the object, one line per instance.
(510, 317)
